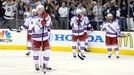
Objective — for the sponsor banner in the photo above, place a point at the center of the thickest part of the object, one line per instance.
(127, 42)
(63, 38)
(96, 39)
(60, 38)
(8, 37)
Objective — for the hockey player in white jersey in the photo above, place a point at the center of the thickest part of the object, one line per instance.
(40, 27)
(86, 28)
(79, 23)
(112, 32)
(27, 22)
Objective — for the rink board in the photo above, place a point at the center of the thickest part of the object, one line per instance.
(60, 40)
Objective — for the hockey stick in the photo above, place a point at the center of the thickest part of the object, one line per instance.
(11, 28)
(82, 58)
(121, 36)
(42, 47)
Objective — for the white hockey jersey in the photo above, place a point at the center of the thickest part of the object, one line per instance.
(27, 23)
(81, 27)
(112, 29)
(37, 28)
(9, 11)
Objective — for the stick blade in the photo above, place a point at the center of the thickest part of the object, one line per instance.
(9, 28)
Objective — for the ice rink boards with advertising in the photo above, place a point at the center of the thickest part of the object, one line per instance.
(60, 40)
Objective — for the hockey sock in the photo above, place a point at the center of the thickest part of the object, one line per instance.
(109, 51)
(46, 55)
(29, 46)
(86, 43)
(36, 56)
(116, 51)
(82, 46)
(74, 47)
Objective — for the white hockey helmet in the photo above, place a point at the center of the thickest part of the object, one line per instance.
(34, 12)
(109, 15)
(39, 7)
(79, 11)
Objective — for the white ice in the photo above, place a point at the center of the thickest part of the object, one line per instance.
(16, 63)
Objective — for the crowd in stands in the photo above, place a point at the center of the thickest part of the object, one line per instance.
(61, 11)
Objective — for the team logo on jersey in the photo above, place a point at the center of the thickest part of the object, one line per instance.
(8, 9)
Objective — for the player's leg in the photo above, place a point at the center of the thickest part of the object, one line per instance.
(29, 45)
(82, 48)
(116, 52)
(74, 45)
(86, 43)
(81, 53)
(109, 47)
(36, 47)
(116, 48)
(109, 52)
(46, 56)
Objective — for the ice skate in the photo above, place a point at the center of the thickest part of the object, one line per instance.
(86, 50)
(37, 67)
(117, 57)
(28, 53)
(80, 56)
(83, 55)
(109, 56)
(44, 69)
(48, 68)
(74, 54)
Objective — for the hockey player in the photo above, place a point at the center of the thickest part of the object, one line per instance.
(26, 25)
(40, 27)
(78, 23)
(112, 32)
(86, 28)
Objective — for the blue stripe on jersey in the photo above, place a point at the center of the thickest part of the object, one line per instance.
(77, 31)
(39, 35)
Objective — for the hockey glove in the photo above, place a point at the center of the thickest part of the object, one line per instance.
(43, 23)
(18, 30)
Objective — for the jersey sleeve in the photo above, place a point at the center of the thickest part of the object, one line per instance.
(48, 22)
(73, 22)
(103, 26)
(25, 25)
(118, 29)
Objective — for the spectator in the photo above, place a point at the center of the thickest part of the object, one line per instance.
(80, 6)
(2, 11)
(55, 15)
(9, 16)
(25, 1)
(123, 16)
(32, 4)
(27, 11)
(131, 15)
(63, 12)
(97, 12)
(113, 8)
(21, 10)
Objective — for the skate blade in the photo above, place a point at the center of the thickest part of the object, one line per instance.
(82, 58)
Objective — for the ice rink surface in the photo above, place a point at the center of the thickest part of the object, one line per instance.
(16, 63)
